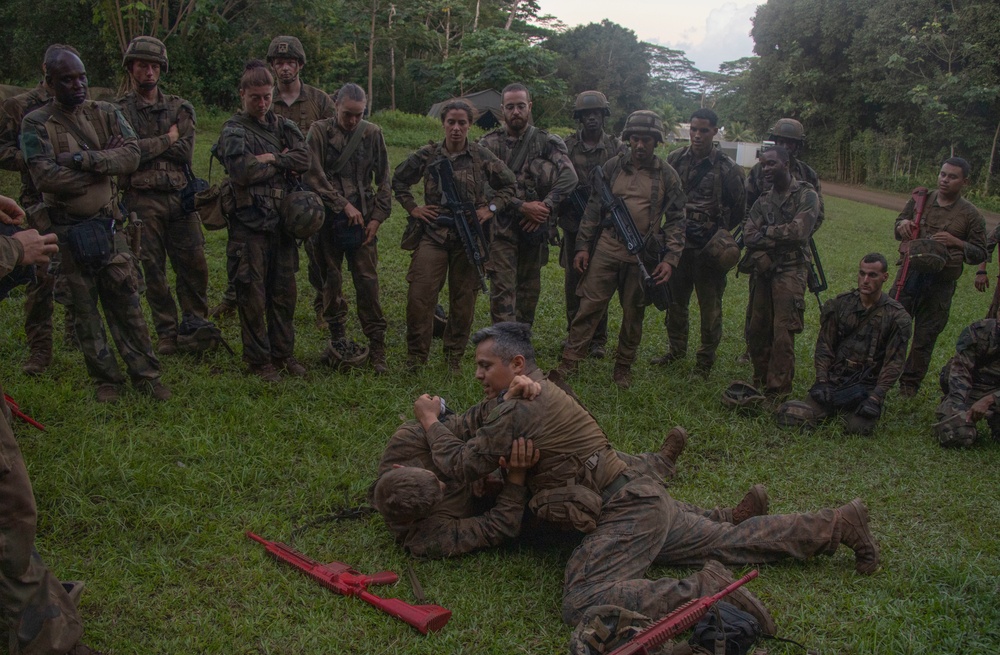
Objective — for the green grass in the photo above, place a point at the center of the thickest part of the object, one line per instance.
(149, 502)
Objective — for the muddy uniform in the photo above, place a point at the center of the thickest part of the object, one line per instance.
(353, 183)
(927, 296)
(153, 192)
(262, 258)
(73, 195)
(716, 199)
(437, 250)
(633, 521)
(656, 201)
(546, 174)
(973, 373)
(777, 239)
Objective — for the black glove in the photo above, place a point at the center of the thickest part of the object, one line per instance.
(870, 408)
(822, 392)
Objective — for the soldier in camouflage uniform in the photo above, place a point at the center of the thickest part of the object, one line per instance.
(165, 125)
(47, 286)
(629, 520)
(982, 280)
(777, 239)
(956, 223)
(520, 232)
(261, 151)
(859, 353)
(970, 382)
(653, 195)
(588, 148)
(72, 147)
(344, 179)
(716, 200)
(437, 249)
(38, 613)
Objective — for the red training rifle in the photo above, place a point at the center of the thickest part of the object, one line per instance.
(919, 196)
(678, 621)
(15, 409)
(344, 580)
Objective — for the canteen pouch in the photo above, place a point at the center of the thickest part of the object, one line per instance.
(90, 243)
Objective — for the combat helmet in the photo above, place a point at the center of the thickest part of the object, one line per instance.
(286, 46)
(604, 628)
(146, 48)
(643, 123)
(741, 394)
(796, 414)
(302, 213)
(788, 128)
(591, 100)
(955, 431)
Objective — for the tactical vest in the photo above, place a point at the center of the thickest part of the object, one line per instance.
(101, 194)
(159, 173)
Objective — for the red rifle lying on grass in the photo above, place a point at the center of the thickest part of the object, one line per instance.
(344, 580)
(15, 409)
(678, 621)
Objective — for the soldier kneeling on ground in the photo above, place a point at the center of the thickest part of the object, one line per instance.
(971, 383)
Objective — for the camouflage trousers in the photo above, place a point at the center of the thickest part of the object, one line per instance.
(262, 267)
(38, 616)
(709, 285)
(40, 297)
(567, 251)
(430, 265)
(927, 299)
(168, 232)
(115, 289)
(316, 271)
(947, 407)
(515, 278)
(641, 525)
(362, 262)
(853, 424)
(604, 276)
(777, 305)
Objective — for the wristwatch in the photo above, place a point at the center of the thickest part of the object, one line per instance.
(78, 159)
(493, 208)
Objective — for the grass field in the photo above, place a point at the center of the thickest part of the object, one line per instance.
(148, 502)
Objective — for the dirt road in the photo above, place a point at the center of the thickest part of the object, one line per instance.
(885, 199)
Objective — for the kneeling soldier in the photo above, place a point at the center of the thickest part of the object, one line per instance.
(971, 383)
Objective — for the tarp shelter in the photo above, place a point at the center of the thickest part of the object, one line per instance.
(486, 103)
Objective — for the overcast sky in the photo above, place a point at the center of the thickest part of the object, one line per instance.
(709, 31)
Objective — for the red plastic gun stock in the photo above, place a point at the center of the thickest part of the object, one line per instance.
(919, 195)
(677, 621)
(344, 580)
(15, 409)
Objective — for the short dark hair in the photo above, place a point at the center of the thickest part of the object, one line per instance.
(515, 86)
(959, 163)
(256, 73)
(706, 114)
(876, 258)
(407, 494)
(55, 52)
(509, 339)
(781, 151)
(458, 104)
(350, 91)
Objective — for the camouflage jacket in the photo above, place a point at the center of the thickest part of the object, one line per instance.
(781, 224)
(161, 164)
(78, 192)
(649, 194)
(259, 187)
(11, 159)
(11, 252)
(974, 371)
(961, 219)
(756, 185)
(585, 159)
(718, 201)
(546, 175)
(477, 172)
(368, 165)
(312, 105)
(855, 342)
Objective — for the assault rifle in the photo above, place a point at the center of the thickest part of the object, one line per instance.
(462, 215)
(816, 280)
(682, 618)
(627, 231)
(577, 201)
(344, 580)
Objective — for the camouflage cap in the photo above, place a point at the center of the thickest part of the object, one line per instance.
(302, 214)
(788, 128)
(644, 123)
(604, 628)
(288, 47)
(591, 100)
(955, 431)
(146, 48)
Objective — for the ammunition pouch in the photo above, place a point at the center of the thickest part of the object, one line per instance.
(562, 498)
(412, 234)
(90, 243)
(190, 193)
(345, 235)
(755, 262)
(215, 205)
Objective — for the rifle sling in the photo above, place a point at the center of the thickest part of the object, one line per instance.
(521, 152)
(349, 149)
(254, 127)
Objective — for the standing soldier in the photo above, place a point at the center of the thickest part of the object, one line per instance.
(545, 177)
(951, 232)
(777, 238)
(260, 151)
(38, 296)
(652, 192)
(716, 203)
(73, 146)
(165, 127)
(588, 148)
(347, 157)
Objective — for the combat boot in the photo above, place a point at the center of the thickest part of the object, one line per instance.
(856, 534)
(291, 366)
(376, 357)
(108, 393)
(674, 444)
(454, 364)
(597, 351)
(741, 598)
(666, 359)
(223, 309)
(38, 362)
(566, 369)
(155, 390)
(755, 503)
(166, 346)
(622, 376)
(265, 372)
